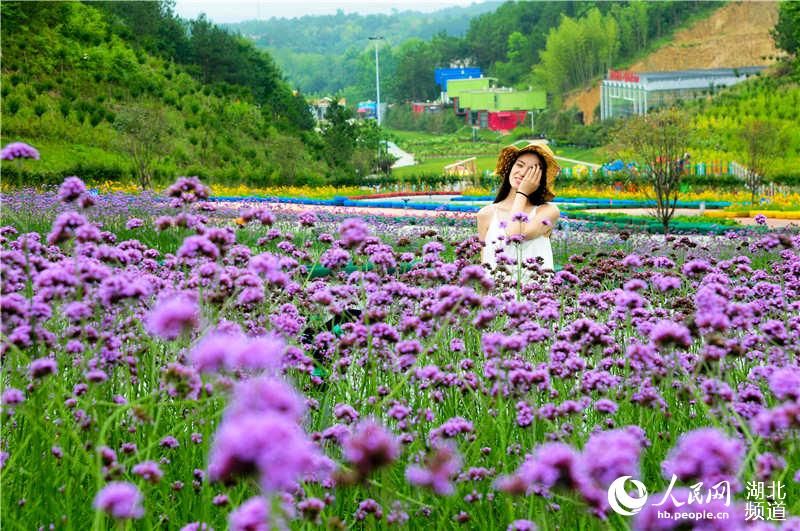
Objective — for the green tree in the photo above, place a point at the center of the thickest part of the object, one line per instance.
(413, 75)
(578, 50)
(760, 142)
(339, 136)
(150, 25)
(488, 36)
(787, 30)
(632, 21)
(144, 137)
(448, 48)
(656, 143)
(518, 62)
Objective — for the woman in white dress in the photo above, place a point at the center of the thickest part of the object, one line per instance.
(519, 221)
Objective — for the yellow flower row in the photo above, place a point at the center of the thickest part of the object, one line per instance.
(311, 192)
(315, 192)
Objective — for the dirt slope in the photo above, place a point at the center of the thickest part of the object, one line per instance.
(734, 35)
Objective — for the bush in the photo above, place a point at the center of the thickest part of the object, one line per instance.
(92, 172)
(12, 105)
(39, 108)
(404, 118)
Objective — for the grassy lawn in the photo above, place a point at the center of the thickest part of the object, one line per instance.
(435, 151)
(400, 136)
(437, 166)
(486, 162)
(588, 155)
(462, 135)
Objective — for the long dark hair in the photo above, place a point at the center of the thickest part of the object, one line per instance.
(537, 197)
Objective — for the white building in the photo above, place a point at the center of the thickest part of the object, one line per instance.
(625, 93)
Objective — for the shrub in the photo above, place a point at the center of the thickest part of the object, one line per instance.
(12, 105)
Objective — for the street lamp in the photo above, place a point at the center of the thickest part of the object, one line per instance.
(377, 79)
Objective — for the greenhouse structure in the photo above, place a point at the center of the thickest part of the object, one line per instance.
(626, 93)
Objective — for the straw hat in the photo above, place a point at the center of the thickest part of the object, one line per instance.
(510, 153)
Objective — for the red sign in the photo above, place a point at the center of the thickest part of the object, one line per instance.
(623, 75)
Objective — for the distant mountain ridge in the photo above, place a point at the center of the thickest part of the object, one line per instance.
(336, 33)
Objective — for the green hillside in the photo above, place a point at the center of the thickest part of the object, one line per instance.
(87, 85)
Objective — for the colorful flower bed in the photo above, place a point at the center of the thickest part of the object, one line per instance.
(170, 362)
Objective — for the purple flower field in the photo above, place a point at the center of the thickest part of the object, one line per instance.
(170, 363)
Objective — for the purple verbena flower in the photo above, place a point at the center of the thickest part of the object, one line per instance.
(148, 470)
(266, 443)
(71, 189)
(18, 150)
(439, 469)
(169, 442)
(120, 500)
(134, 223)
(667, 333)
(172, 317)
(353, 232)
(12, 396)
(42, 367)
(785, 383)
(265, 394)
(369, 447)
(252, 515)
(705, 454)
(521, 525)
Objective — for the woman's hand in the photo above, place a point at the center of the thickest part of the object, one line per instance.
(530, 181)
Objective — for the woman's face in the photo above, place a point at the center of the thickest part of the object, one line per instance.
(524, 163)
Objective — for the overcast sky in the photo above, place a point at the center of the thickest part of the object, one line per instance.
(238, 10)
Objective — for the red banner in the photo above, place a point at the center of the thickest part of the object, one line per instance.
(623, 75)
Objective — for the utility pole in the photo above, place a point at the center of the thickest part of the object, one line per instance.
(377, 79)
(377, 38)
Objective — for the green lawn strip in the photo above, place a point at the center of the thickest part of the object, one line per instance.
(436, 166)
(585, 154)
(610, 220)
(59, 157)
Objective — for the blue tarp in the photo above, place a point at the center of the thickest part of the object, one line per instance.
(617, 165)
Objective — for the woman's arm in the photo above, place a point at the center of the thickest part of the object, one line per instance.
(484, 218)
(537, 225)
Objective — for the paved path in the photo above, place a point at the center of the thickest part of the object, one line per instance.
(416, 199)
(588, 164)
(404, 158)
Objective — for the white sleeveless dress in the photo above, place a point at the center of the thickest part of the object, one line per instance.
(539, 246)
